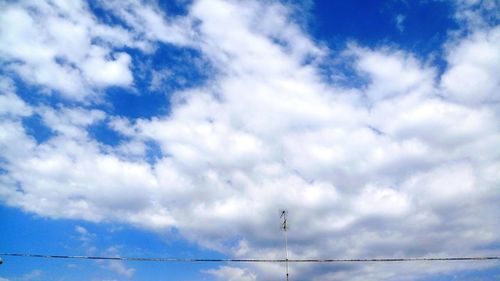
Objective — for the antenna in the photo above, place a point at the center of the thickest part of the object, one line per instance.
(284, 227)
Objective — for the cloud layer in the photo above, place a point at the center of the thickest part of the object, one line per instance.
(406, 165)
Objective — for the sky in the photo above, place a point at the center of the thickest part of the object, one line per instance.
(179, 129)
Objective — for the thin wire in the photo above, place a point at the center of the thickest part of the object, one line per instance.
(483, 258)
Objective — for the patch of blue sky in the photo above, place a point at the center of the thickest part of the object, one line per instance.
(3, 171)
(173, 68)
(418, 27)
(104, 134)
(101, 132)
(123, 102)
(35, 127)
(104, 16)
(492, 273)
(36, 95)
(175, 7)
(495, 246)
(60, 237)
(157, 77)
(374, 23)
(153, 152)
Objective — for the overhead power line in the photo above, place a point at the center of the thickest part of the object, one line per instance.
(174, 260)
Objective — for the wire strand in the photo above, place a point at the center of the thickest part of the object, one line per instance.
(186, 260)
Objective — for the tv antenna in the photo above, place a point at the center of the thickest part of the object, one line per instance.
(284, 227)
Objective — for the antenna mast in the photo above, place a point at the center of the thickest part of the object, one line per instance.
(284, 227)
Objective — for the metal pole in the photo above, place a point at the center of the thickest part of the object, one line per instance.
(284, 226)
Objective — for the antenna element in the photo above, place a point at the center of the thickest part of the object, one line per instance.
(284, 227)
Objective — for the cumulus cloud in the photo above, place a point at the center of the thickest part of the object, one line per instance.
(472, 77)
(401, 74)
(65, 48)
(403, 166)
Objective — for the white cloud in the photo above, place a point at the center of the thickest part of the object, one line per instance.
(433, 121)
(49, 45)
(401, 167)
(62, 46)
(474, 14)
(392, 72)
(85, 237)
(232, 274)
(31, 275)
(81, 230)
(72, 122)
(400, 22)
(107, 72)
(158, 79)
(120, 268)
(472, 76)
(10, 103)
(149, 22)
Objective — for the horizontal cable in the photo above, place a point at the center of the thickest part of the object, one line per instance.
(483, 258)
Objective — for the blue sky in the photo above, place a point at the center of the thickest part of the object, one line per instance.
(180, 128)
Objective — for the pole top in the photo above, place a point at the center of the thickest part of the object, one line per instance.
(283, 212)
